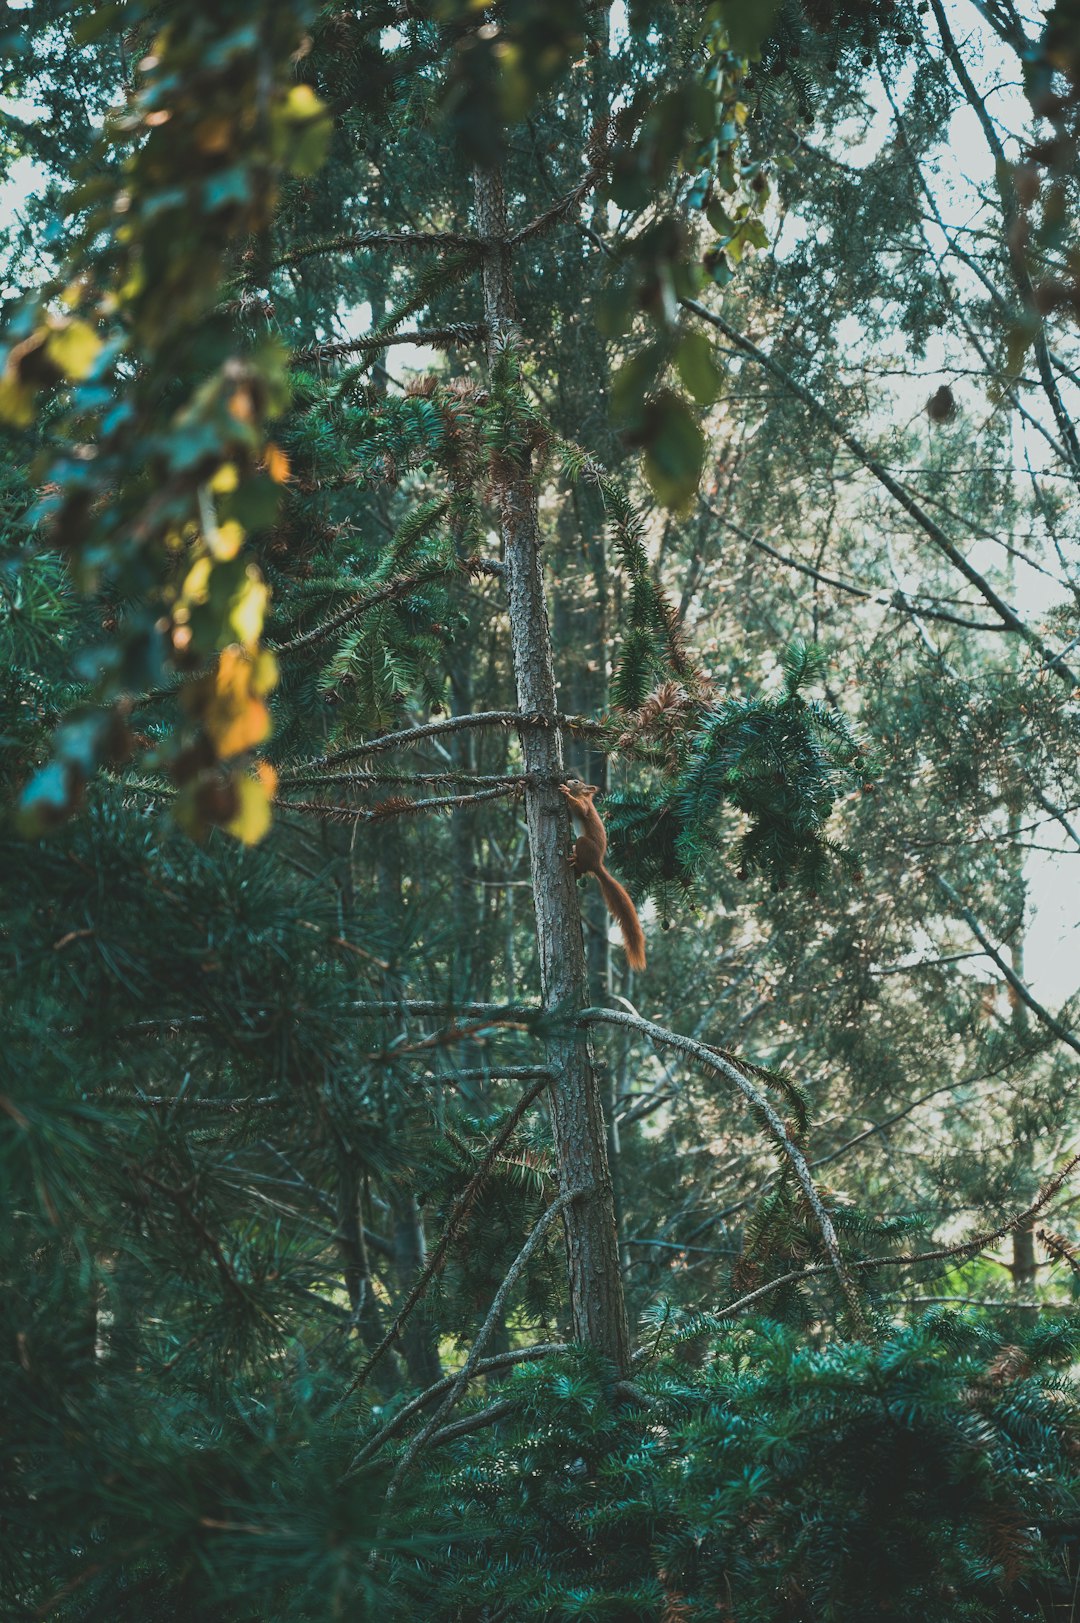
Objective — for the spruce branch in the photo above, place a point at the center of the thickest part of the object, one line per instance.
(399, 586)
(460, 332)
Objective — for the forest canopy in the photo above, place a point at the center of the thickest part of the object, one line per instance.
(539, 810)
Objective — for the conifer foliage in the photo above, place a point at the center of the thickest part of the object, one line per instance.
(374, 428)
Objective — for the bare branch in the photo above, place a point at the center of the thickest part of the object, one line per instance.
(406, 241)
(964, 1248)
(715, 1061)
(397, 807)
(484, 1366)
(410, 736)
(494, 1318)
(900, 602)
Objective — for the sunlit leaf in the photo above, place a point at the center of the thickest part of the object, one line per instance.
(254, 817)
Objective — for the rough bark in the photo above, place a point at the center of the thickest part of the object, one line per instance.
(596, 1293)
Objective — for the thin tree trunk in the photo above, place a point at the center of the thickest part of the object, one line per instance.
(419, 1342)
(596, 1291)
(354, 1253)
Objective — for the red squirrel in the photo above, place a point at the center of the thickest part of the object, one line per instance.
(588, 857)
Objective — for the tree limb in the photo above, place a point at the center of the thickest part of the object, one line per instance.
(1008, 615)
(494, 1318)
(710, 1057)
(485, 1366)
(1062, 1033)
(963, 1249)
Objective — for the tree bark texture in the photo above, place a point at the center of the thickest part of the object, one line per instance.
(596, 1291)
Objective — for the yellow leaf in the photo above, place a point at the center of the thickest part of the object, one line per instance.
(196, 587)
(248, 608)
(225, 480)
(226, 540)
(16, 402)
(253, 819)
(302, 103)
(74, 348)
(267, 776)
(233, 717)
(264, 672)
(277, 464)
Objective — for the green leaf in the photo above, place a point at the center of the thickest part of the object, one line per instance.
(748, 23)
(674, 450)
(698, 370)
(633, 381)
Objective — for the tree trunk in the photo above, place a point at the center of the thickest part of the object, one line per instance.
(596, 1292)
(419, 1339)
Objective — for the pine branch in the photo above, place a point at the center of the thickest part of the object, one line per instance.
(455, 1223)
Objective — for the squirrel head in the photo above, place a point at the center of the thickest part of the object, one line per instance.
(583, 791)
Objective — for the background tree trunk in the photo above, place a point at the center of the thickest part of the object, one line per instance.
(596, 1290)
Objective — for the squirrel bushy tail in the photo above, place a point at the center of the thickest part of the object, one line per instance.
(624, 913)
